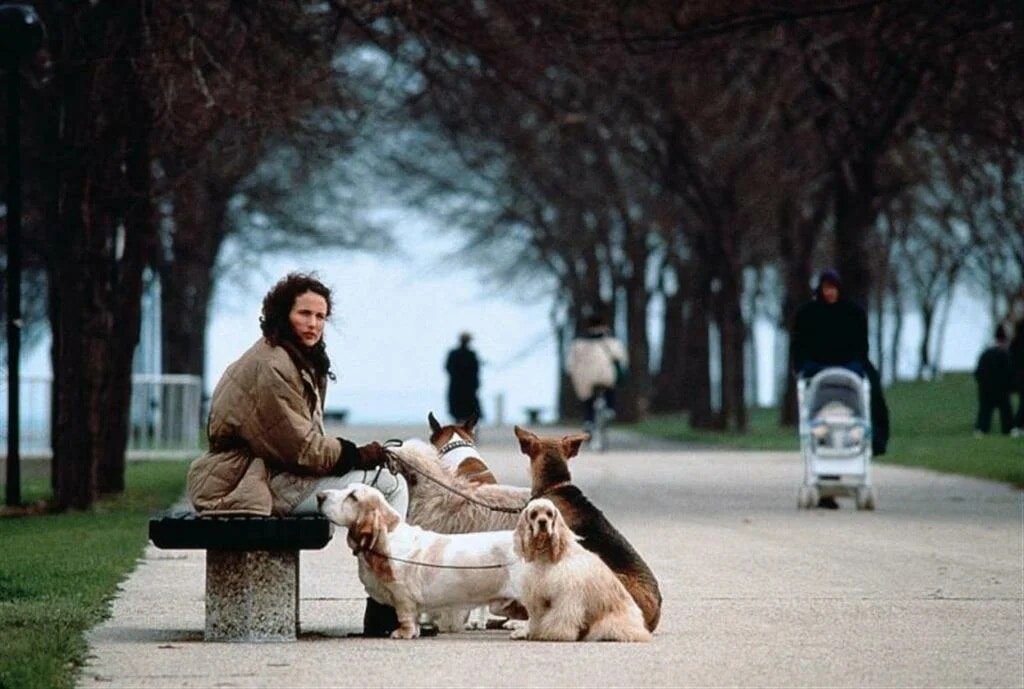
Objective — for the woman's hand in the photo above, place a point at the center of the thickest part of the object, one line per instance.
(364, 458)
(371, 456)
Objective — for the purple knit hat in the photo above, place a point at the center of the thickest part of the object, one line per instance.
(831, 276)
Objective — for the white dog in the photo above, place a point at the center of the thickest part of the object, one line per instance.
(416, 570)
(569, 592)
(442, 499)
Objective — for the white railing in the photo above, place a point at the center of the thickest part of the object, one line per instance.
(164, 419)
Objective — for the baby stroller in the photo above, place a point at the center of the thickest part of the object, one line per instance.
(835, 437)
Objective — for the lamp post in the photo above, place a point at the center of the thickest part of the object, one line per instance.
(21, 34)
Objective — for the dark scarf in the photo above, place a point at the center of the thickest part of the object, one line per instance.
(311, 359)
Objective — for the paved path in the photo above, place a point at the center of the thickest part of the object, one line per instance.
(928, 591)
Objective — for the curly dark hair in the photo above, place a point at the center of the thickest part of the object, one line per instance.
(277, 327)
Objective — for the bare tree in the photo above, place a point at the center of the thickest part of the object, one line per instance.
(932, 252)
(254, 106)
(104, 238)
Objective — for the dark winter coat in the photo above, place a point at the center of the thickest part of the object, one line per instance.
(1017, 356)
(994, 373)
(464, 379)
(830, 334)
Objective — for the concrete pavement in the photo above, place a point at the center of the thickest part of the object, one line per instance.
(928, 591)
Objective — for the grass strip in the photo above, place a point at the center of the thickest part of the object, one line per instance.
(932, 428)
(59, 572)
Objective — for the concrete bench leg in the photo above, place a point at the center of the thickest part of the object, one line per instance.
(252, 596)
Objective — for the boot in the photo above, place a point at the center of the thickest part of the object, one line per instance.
(379, 620)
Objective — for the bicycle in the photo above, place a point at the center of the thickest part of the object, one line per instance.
(603, 415)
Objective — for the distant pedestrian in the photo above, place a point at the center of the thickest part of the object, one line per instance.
(1017, 359)
(831, 330)
(994, 375)
(596, 364)
(463, 369)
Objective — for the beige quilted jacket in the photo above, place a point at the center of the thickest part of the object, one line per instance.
(266, 433)
(590, 363)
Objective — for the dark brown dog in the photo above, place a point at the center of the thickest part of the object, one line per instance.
(549, 469)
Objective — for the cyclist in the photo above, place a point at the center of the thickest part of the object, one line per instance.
(597, 359)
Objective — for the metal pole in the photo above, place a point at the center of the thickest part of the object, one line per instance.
(21, 34)
(13, 487)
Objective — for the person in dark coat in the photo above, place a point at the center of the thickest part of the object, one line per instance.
(463, 369)
(994, 375)
(1017, 359)
(830, 330)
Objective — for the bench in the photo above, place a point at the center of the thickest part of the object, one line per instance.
(252, 568)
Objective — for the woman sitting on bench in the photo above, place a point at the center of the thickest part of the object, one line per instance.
(269, 452)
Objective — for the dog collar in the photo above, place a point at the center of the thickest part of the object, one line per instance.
(550, 489)
(454, 444)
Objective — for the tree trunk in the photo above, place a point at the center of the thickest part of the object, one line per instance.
(98, 260)
(795, 285)
(186, 281)
(797, 239)
(940, 331)
(636, 397)
(854, 219)
(880, 294)
(669, 383)
(752, 365)
(897, 332)
(925, 348)
(698, 357)
(731, 328)
(139, 244)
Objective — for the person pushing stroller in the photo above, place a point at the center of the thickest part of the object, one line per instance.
(831, 330)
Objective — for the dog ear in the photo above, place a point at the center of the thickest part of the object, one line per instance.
(364, 533)
(370, 524)
(387, 517)
(561, 537)
(434, 425)
(390, 519)
(571, 444)
(527, 441)
(522, 538)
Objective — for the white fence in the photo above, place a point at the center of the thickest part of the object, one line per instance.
(164, 419)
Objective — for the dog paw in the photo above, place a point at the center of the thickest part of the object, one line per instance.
(515, 626)
(405, 633)
(520, 633)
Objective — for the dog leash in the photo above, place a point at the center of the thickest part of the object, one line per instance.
(388, 444)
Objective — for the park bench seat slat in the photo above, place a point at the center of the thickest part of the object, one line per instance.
(188, 530)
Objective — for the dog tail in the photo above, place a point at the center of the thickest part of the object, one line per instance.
(646, 595)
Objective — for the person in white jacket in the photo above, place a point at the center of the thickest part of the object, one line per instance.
(594, 362)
